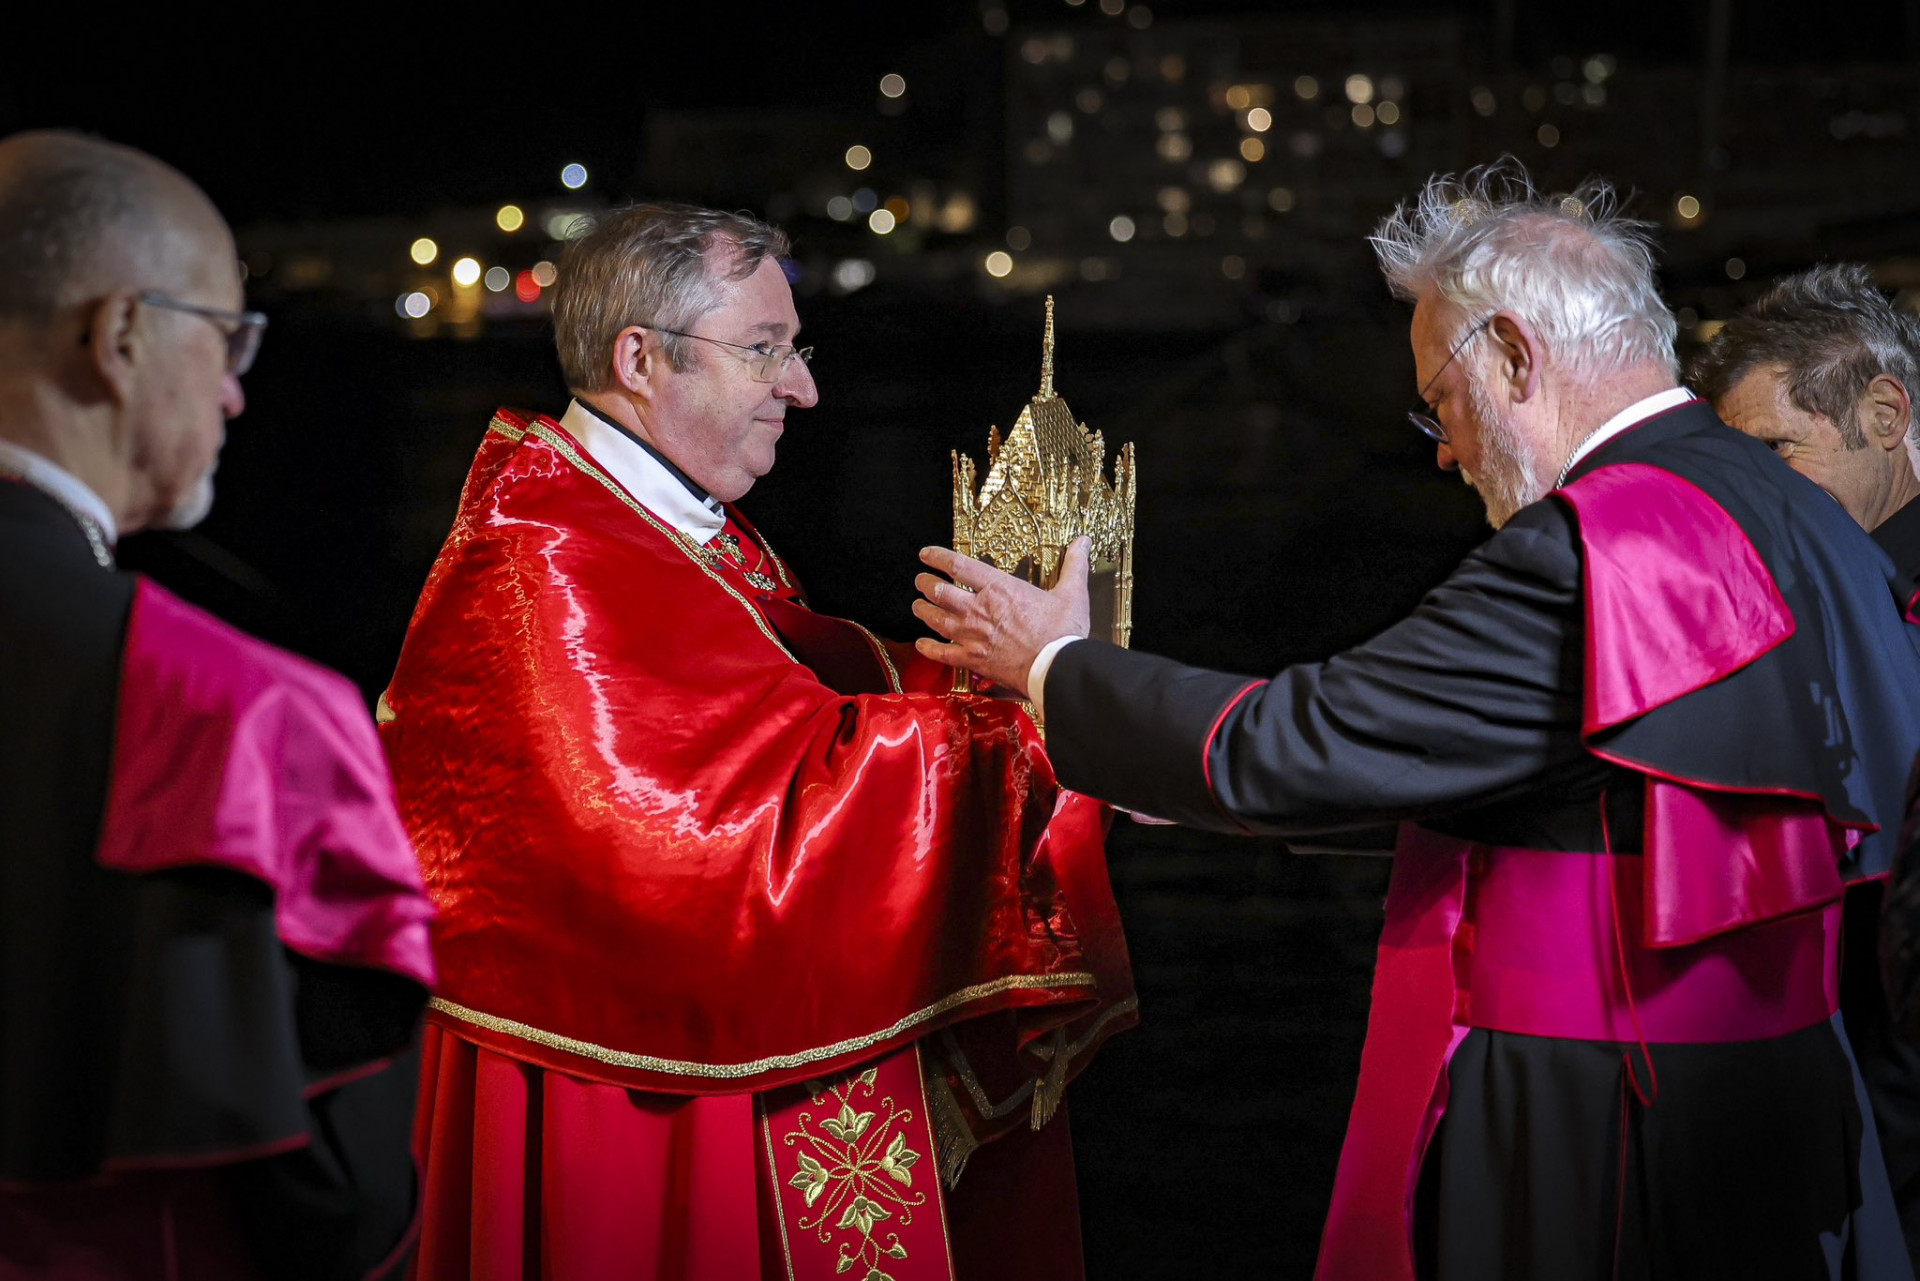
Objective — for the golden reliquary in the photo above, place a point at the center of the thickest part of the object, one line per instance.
(1044, 489)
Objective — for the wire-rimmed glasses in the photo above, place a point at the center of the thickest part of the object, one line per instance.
(1423, 415)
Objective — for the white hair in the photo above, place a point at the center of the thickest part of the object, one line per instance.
(1567, 263)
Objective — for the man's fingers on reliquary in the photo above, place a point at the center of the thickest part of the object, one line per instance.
(939, 651)
(935, 617)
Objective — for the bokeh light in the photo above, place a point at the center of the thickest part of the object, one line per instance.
(858, 157)
(510, 218)
(544, 274)
(526, 288)
(881, 222)
(999, 264)
(423, 251)
(1121, 228)
(497, 279)
(466, 273)
(414, 306)
(892, 85)
(573, 177)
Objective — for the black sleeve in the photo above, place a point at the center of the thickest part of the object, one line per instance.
(343, 1207)
(1473, 696)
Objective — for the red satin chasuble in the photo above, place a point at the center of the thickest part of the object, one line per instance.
(746, 933)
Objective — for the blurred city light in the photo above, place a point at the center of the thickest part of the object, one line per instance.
(850, 274)
(1306, 88)
(413, 306)
(1121, 229)
(881, 221)
(1259, 119)
(999, 264)
(839, 208)
(1019, 239)
(466, 273)
(1359, 88)
(510, 218)
(544, 274)
(526, 288)
(497, 279)
(858, 157)
(424, 251)
(892, 85)
(1252, 149)
(573, 177)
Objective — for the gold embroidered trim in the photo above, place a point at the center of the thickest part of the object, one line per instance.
(773, 1166)
(856, 1165)
(566, 449)
(773, 1062)
(886, 659)
(501, 426)
(779, 566)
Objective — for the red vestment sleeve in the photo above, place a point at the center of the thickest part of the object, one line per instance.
(667, 855)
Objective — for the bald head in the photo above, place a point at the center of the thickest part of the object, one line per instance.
(119, 307)
(81, 218)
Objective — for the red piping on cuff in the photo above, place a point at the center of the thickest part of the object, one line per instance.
(1206, 750)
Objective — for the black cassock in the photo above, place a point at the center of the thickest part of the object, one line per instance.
(180, 1093)
(1467, 719)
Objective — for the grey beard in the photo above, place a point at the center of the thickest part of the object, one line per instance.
(193, 508)
(1507, 480)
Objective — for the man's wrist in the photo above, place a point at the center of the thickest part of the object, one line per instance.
(1037, 673)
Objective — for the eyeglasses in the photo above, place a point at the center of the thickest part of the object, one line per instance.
(767, 359)
(241, 328)
(1423, 415)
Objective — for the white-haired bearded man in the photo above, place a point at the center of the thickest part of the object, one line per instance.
(213, 937)
(1638, 743)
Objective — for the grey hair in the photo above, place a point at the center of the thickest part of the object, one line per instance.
(1832, 332)
(648, 265)
(73, 209)
(1567, 263)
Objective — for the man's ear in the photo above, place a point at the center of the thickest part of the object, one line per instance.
(1521, 355)
(1885, 412)
(638, 360)
(111, 345)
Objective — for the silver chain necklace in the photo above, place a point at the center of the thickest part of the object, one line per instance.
(1561, 479)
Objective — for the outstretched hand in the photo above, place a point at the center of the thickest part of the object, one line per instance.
(996, 624)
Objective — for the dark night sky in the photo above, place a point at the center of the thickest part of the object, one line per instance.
(408, 113)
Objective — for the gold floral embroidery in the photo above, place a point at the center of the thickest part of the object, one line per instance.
(855, 1168)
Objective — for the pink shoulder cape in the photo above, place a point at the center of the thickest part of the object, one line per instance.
(231, 753)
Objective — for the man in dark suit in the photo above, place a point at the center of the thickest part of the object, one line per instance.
(213, 937)
(1822, 369)
(1638, 743)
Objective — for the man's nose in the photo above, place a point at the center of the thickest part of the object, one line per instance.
(1443, 455)
(796, 386)
(233, 398)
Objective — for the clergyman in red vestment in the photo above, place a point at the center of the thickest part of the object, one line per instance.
(761, 953)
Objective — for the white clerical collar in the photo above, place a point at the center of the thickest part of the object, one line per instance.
(61, 485)
(653, 485)
(1632, 416)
